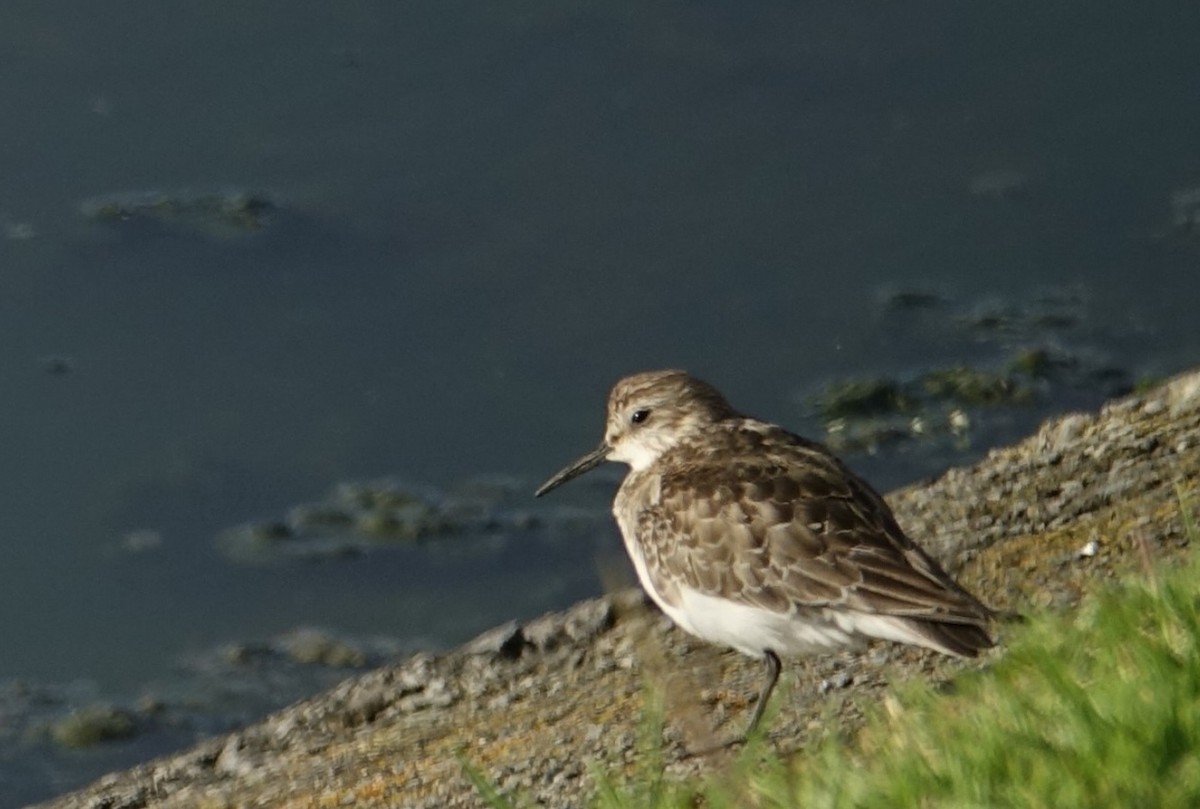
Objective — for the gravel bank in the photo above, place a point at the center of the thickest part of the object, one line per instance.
(538, 707)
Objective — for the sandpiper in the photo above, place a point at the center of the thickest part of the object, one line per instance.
(749, 536)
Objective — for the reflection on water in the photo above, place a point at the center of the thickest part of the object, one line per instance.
(245, 256)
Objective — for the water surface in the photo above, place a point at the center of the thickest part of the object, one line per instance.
(483, 215)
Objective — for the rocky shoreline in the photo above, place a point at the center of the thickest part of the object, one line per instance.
(537, 708)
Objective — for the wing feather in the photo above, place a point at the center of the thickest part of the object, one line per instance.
(790, 528)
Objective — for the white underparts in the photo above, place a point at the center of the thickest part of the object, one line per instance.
(753, 630)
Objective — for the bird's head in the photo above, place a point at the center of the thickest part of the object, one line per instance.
(649, 414)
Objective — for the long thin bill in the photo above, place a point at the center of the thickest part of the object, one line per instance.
(585, 464)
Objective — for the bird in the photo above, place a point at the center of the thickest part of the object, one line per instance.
(751, 537)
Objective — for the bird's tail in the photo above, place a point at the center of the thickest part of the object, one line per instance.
(960, 640)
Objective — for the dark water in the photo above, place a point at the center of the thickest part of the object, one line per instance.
(481, 216)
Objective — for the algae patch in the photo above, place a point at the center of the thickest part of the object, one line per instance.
(211, 213)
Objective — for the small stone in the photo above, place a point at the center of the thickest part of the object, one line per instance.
(231, 761)
(505, 641)
(840, 680)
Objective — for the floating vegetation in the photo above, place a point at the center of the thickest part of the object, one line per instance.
(93, 725)
(357, 517)
(870, 415)
(1003, 319)
(863, 397)
(1037, 363)
(1030, 370)
(223, 213)
(973, 387)
(1053, 312)
(1025, 321)
(960, 386)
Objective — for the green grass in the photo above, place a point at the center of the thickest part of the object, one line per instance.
(1101, 708)
(1096, 708)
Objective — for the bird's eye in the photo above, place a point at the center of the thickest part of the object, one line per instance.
(640, 415)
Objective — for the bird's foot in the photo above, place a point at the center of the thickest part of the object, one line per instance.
(714, 748)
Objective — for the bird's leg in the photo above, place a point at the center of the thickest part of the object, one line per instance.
(772, 661)
(773, 667)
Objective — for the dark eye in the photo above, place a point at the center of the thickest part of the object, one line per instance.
(640, 415)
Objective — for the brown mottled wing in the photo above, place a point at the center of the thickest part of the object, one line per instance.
(789, 526)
